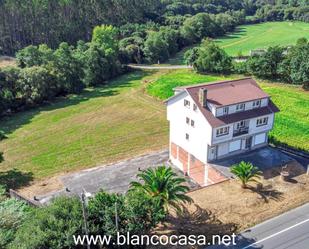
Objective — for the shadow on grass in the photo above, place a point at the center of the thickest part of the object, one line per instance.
(10, 123)
(15, 179)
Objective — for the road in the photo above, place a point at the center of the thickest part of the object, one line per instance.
(287, 231)
(137, 66)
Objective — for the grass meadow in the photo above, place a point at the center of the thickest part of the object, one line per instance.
(262, 35)
(101, 125)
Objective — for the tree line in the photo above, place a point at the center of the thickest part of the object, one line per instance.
(51, 22)
(42, 73)
(288, 64)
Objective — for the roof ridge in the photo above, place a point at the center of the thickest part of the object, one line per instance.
(212, 83)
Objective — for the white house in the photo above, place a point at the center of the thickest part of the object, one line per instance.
(212, 121)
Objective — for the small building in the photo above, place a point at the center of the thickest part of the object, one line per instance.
(212, 121)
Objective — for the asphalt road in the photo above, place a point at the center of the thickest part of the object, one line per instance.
(287, 231)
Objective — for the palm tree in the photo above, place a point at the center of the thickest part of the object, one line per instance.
(245, 172)
(164, 186)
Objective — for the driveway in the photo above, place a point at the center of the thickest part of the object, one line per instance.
(112, 178)
(287, 231)
(264, 158)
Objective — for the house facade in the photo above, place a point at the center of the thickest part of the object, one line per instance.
(212, 121)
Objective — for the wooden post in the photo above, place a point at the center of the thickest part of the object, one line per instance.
(308, 169)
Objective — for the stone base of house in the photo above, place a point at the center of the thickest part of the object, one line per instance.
(200, 172)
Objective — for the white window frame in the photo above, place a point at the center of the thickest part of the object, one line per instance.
(192, 123)
(187, 121)
(194, 107)
(222, 131)
(187, 136)
(186, 103)
(261, 121)
(240, 107)
(225, 110)
(241, 124)
(256, 103)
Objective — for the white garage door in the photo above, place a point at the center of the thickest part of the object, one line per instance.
(235, 145)
(259, 139)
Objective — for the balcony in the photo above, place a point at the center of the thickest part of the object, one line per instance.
(241, 131)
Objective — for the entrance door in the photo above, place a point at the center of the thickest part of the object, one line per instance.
(248, 143)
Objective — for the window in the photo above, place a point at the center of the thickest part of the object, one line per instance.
(222, 131)
(261, 121)
(186, 103)
(240, 107)
(256, 103)
(192, 123)
(187, 136)
(187, 120)
(225, 110)
(194, 107)
(241, 124)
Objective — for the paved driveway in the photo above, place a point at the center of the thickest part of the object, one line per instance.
(264, 158)
(112, 178)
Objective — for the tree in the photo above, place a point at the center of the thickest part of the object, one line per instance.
(212, 59)
(135, 212)
(198, 27)
(12, 215)
(102, 56)
(156, 47)
(164, 186)
(36, 84)
(245, 172)
(68, 69)
(52, 226)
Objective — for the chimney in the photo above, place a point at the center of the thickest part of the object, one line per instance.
(203, 96)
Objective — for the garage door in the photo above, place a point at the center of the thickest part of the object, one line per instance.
(235, 145)
(259, 139)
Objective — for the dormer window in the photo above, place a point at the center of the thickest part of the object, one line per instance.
(256, 103)
(225, 110)
(240, 107)
(187, 120)
(186, 103)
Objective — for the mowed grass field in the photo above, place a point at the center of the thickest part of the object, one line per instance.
(262, 35)
(291, 123)
(101, 125)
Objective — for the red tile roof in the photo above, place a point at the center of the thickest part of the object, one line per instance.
(228, 93)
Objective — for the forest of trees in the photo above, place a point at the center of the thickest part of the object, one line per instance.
(51, 22)
(60, 49)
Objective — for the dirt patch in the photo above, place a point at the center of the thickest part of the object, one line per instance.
(226, 207)
(7, 61)
(42, 187)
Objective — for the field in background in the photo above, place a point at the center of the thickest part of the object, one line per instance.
(291, 124)
(263, 35)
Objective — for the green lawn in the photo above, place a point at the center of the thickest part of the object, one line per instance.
(263, 35)
(107, 124)
(101, 125)
(163, 87)
(291, 124)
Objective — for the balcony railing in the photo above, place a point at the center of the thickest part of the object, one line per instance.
(241, 131)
